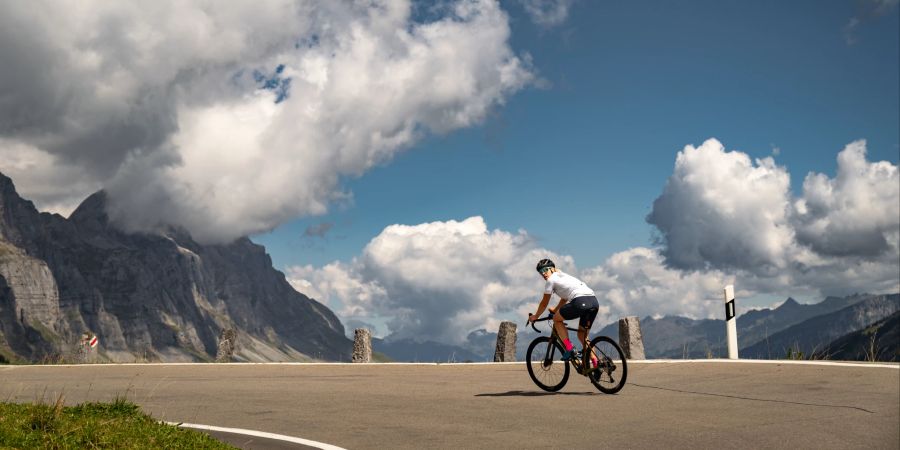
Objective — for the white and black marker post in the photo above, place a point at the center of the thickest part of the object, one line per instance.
(730, 322)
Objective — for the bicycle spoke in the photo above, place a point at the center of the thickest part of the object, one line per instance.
(548, 374)
(609, 376)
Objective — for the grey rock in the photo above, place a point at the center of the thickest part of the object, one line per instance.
(227, 340)
(630, 338)
(362, 346)
(32, 288)
(506, 343)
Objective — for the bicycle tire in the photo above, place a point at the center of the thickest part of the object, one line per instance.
(534, 359)
(610, 377)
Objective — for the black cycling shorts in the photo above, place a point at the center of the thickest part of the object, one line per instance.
(584, 307)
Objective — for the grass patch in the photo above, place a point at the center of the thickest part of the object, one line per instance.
(119, 424)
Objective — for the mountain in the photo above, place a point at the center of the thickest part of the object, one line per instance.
(677, 337)
(484, 343)
(755, 325)
(147, 297)
(879, 341)
(813, 336)
(681, 337)
(408, 350)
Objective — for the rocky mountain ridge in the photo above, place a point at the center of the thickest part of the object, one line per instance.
(813, 336)
(147, 297)
(765, 333)
(685, 338)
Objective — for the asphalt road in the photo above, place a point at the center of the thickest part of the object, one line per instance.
(670, 405)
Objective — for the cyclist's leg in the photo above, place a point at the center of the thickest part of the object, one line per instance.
(560, 327)
(589, 313)
(564, 312)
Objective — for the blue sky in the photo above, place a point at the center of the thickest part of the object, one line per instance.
(628, 84)
(410, 162)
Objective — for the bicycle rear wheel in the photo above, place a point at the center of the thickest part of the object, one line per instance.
(609, 377)
(544, 366)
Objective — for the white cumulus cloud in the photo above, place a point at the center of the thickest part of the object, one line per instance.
(437, 280)
(442, 280)
(720, 211)
(637, 282)
(857, 213)
(723, 219)
(231, 119)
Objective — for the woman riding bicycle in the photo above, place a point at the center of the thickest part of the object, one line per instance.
(576, 300)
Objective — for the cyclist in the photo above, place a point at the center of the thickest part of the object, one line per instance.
(576, 299)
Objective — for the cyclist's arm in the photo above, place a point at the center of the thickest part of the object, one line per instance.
(543, 305)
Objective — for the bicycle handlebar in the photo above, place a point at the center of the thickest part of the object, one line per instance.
(549, 317)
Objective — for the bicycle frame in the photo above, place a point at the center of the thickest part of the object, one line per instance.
(579, 358)
(608, 375)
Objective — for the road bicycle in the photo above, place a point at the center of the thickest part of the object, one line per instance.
(550, 373)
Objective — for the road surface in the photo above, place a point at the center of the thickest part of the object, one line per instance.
(673, 405)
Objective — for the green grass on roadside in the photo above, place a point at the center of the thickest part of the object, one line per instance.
(119, 424)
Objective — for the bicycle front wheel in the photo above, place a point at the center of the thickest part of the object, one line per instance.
(612, 370)
(544, 366)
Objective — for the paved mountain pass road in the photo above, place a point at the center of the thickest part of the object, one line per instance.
(700, 404)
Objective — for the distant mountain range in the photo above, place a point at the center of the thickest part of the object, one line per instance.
(408, 350)
(879, 341)
(813, 329)
(784, 326)
(767, 333)
(814, 336)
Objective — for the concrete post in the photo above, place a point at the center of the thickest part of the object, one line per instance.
(630, 338)
(731, 322)
(506, 343)
(227, 340)
(362, 346)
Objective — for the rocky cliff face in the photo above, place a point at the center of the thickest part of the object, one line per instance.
(147, 297)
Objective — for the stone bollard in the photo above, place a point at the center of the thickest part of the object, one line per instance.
(362, 346)
(506, 343)
(630, 338)
(227, 340)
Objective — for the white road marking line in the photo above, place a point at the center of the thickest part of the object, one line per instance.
(766, 361)
(262, 434)
(630, 361)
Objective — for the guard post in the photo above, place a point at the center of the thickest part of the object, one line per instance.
(731, 322)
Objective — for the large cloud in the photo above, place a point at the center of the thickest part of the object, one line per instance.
(855, 214)
(31, 168)
(719, 211)
(436, 280)
(230, 121)
(723, 220)
(442, 280)
(637, 282)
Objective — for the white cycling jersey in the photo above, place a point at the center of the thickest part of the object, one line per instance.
(566, 286)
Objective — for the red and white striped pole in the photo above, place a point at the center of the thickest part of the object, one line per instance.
(731, 323)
